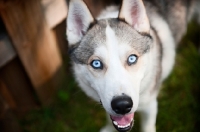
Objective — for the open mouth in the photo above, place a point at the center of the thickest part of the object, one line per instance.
(123, 123)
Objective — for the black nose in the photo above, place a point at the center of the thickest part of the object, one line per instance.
(122, 104)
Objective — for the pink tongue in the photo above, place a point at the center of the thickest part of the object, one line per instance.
(123, 120)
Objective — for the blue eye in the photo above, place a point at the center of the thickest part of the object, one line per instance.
(97, 64)
(132, 59)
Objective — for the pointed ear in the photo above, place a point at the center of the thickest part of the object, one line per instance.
(134, 13)
(78, 20)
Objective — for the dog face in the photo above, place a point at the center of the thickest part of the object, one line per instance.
(110, 58)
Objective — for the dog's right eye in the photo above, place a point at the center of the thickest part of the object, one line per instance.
(96, 64)
(132, 59)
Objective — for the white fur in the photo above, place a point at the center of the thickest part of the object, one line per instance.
(148, 117)
(168, 44)
(138, 20)
(109, 12)
(147, 108)
(79, 72)
(77, 10)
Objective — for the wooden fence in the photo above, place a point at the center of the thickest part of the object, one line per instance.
(30, 60)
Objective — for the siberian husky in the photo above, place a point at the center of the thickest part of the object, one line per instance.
(121, 57)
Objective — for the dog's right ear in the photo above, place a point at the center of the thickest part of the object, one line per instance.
(134, 13)
(78, 20)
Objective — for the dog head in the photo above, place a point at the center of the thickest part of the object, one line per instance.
(110, 57)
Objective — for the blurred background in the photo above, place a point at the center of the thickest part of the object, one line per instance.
(38, 92)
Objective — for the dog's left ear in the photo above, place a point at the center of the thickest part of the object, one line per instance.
(134, 13)
(78, 20)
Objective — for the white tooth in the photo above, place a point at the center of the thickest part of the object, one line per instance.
(131, 119)
(114, 122)
(119, 126)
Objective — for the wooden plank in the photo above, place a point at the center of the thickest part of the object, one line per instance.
(8, 122)
(96, 6)
(7, 52)
(55, 11)
(4, 93)
(16, 88)
(60, 31)
(35, 44)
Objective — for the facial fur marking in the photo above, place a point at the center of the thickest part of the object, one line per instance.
(111, 39)
(126, 33)
(110, 34)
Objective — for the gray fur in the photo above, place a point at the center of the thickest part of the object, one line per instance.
(96, 36)
(126, 33)
(177, 13)
(84, 49)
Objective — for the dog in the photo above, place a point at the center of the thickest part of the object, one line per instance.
(121, 58)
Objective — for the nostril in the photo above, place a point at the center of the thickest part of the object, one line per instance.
(122, 104)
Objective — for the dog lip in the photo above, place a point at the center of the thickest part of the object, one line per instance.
(123, 129)
(123, 123)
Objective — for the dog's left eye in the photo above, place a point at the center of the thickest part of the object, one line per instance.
(132, 59)
(97, 64)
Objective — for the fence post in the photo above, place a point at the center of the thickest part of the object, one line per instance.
(35, 44)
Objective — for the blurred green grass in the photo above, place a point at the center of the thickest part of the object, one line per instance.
(179, 107)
